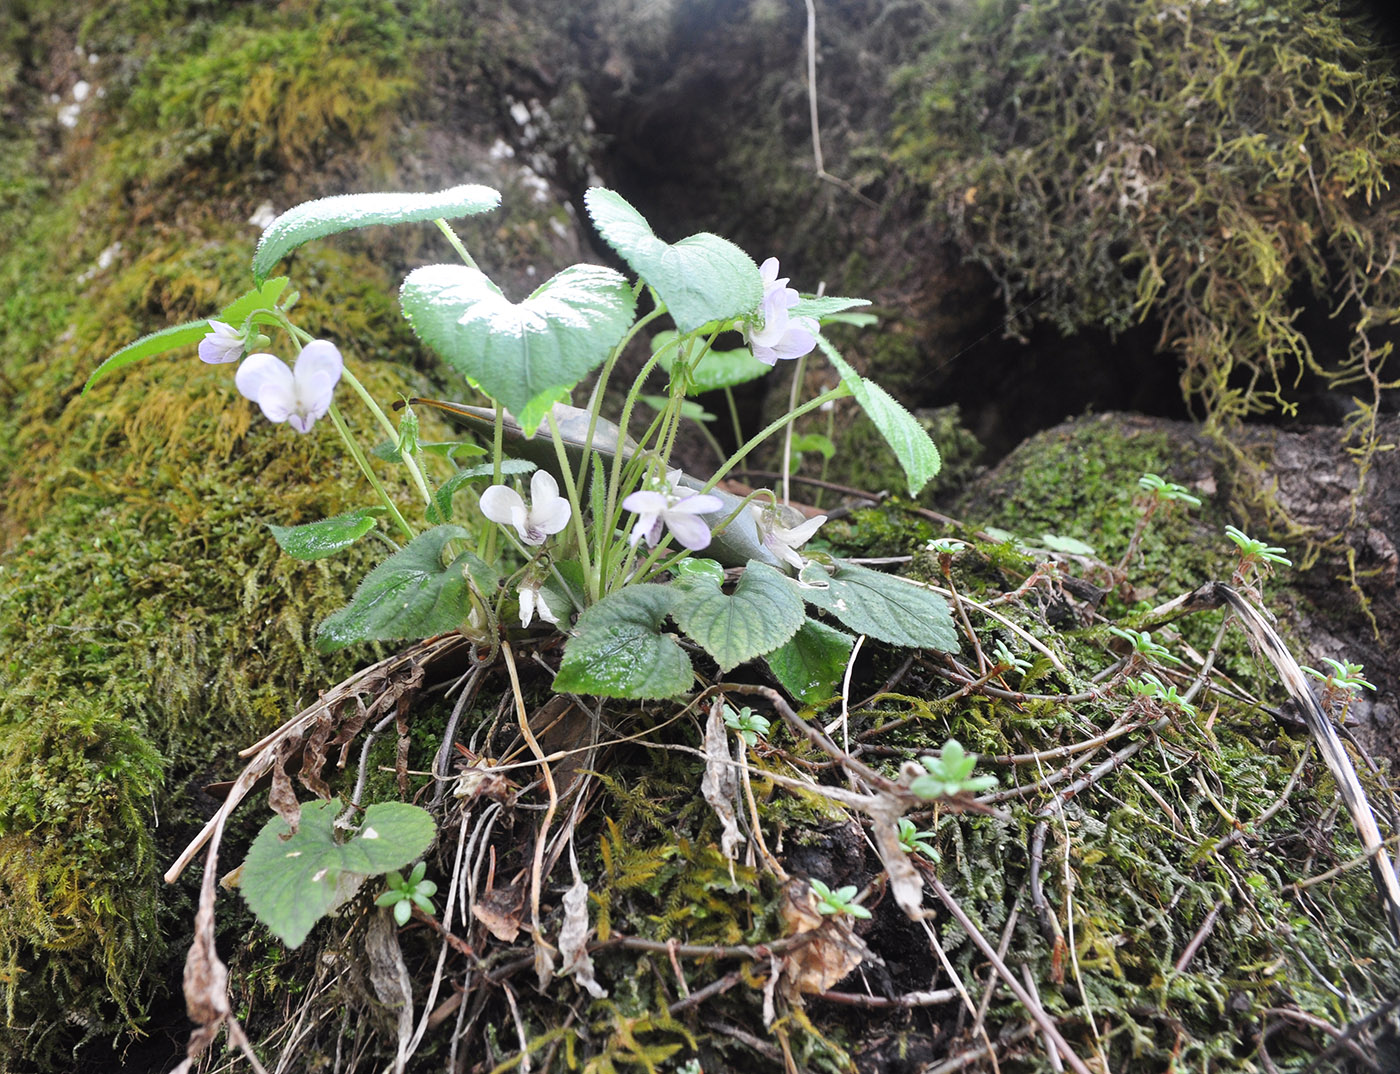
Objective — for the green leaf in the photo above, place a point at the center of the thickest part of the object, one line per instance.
(826, 306)
(689, 408)
(763, 612)
(440, 510)
(909, 440)
(702, 278)
(345, 212)
(811, 664)
(167, 339)
(618, 649)
(884, 606)
(410, 595)
(235, 314)
(716, 370)
(525, 356)
(291, 881)
(316, 540)
(263, 297)
(1072, 546)
(822, 445)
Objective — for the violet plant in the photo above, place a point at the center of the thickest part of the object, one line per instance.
(613, 541)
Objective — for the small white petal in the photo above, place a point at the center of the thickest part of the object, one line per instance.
(266, 380)
(545, 613)
(700, 503)
(527, 605)
(503, 506)
(688, 530)
(543, 487)
(646, 503)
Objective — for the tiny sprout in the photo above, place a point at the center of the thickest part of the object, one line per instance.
(840, 901)
(749, 724)
(915, 841)
(1007, 659)
(403, 895)
(945, 546)
(1160, 489)
(1344, 675)
(1143, 645)
(1252, 550)
(950, 774)
(1150, 686)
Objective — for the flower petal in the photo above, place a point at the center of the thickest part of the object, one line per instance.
(503, 506)
(266, 380)
(222, 344)
(645, 502)
(797, 536)
(700, 503)
(688, 530)
(527, 605)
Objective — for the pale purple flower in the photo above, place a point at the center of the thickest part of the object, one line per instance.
(677, 509)
(548, 511)
(781, 335)
(299, 395)
(532, 602)
(222, 344)
(783, 541)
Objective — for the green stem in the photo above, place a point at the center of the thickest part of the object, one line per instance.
(363, 463)
(798, 375)
(838, 392)
(446, 229)
(409, 462)
(580, 532)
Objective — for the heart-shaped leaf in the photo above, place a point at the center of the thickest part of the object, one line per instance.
(763, 612)
(345, 212)
(909, 440)
(316, 540)
(883, 606)
(525, 355)
(811, 664)
(618, 649)
(716, 370)
(291, 881)
(410, 595)
(701, 279)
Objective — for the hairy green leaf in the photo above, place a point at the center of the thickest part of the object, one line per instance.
(316, 540)
(810, 665)
(618, 649)
(291, 881)
(763, 612)
(886, 607)
(345, 212)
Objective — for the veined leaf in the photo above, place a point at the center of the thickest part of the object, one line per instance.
(701, 279)
(810, 665)
(883, 606)
(410, 595)
(909, 440)
(825, 306)
(525, 355)
(618, 649)
(440, 510)
(316, 540)
(345, 212)
(291, 881)
(763, 612)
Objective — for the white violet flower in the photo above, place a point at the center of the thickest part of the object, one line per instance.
(299, 395)
(677, 509)
(783, 541)
(222, 344)
(548, 511)
(782, 336)
(532, 602)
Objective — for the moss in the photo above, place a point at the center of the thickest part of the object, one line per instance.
(1202, 167)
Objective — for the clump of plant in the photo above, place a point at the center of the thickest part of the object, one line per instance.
(604, 545)
(1192, 165)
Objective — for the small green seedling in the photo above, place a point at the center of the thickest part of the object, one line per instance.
(748, 724)
(945, 546)
(950, 774)
(840, 901)
(1343, 676)
(1009, 660)
(1151, 687)
(915, 841)
(1163, 491)
(1255, 555)
(1143, 645)
(403, 895)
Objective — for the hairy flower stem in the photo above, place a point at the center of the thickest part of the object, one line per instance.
(571, 489)
(363, 464)
(446, 229)
(839, 392)
(409, 462)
